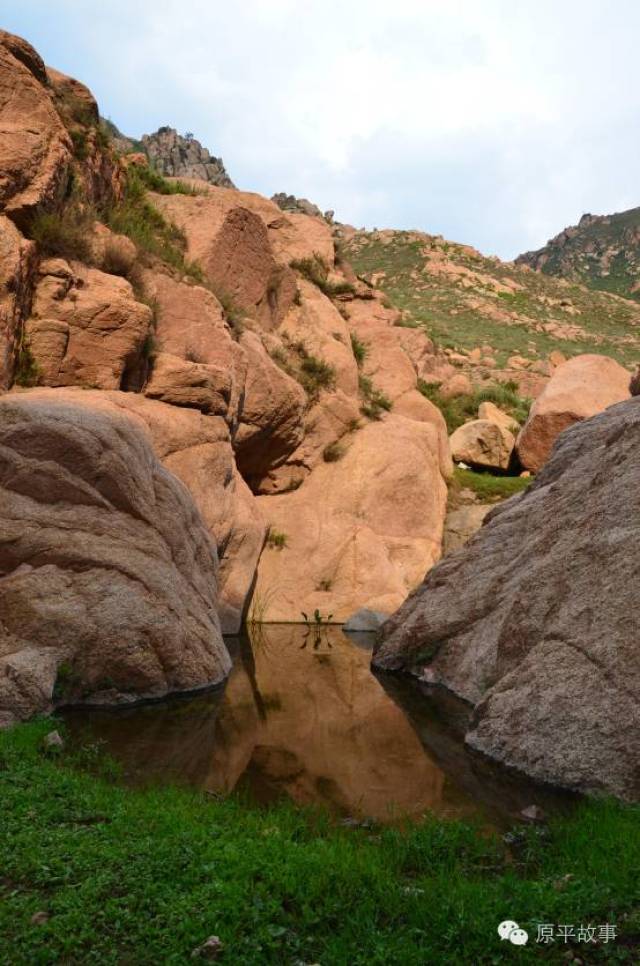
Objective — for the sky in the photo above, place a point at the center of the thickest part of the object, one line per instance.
(495, 123)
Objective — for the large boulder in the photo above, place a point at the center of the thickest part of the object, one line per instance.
(578, 389)
(35, 149)
(361, 530)
(86, 327)
(196, 449)
(534, 621)
(483, 443)
(107, 572)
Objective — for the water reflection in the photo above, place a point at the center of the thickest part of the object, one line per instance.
(303, 716)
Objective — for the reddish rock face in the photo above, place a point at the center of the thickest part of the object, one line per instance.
(35, 150)
(578, 389)
(106, 566)
(85, 327)
(360, 531)
(534, 621)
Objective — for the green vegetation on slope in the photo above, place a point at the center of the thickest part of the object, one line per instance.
(128, 876)
(464, 300)
(486, 486)
(602, 252)
(459, 409)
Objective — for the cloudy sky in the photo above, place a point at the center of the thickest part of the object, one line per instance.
(492, 122)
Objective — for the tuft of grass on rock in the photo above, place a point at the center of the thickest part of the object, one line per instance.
(27, 371)
(359, 349)
(146, 876)
(333, 452)
(316, 270)
(374, 402)
(276, 539)
(66, 233)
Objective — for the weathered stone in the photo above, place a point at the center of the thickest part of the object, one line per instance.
(365, 620)
(461, 524)
(107, 570)
(35, 149)
(86, 327)
(196, 449)
(350, 543)
(534, 622)
(488, 410)
(175, 156)
(578, 389)
(482, 443)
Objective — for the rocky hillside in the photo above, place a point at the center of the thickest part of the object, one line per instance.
(533, 622)
(601, 252)
(220, 340)
(174, 155)
(493, 319)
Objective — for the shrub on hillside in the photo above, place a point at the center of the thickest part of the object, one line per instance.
(66, 233)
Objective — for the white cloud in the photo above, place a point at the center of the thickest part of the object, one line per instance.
(496, 123)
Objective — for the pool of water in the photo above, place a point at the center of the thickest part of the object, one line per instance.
(302, 716)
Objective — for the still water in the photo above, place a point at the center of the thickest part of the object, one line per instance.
(302, 716)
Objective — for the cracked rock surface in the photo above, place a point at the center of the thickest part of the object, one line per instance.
(108, 575)
(535, 620)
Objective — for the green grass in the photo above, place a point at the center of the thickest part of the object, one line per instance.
(316, 270)
(359, 349)
(154, 181)
(27, 372)
(462, 318)
(459, 409)
(146, 876)
(276, 539)
(136, 217)
(66, 233)
(374, 402)
(485, 485)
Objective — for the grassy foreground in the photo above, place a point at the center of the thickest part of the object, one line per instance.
(146, 876)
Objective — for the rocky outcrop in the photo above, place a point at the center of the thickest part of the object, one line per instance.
(197, 450)
(86, 327)
(534, 621)
(175, 156)
(35, 149)
(578, 389)
(107, 572)
(483, 443)
(342, 541)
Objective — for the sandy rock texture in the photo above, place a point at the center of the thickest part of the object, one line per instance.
(86, 326)
(483, 443)
(197, 450)
(578, 389)
(361, 531)
(35, 149)
(107, 571)
(534, 622)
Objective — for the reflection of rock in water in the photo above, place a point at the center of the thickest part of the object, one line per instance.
(309, 722)
(330, 733)
(441, 720)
